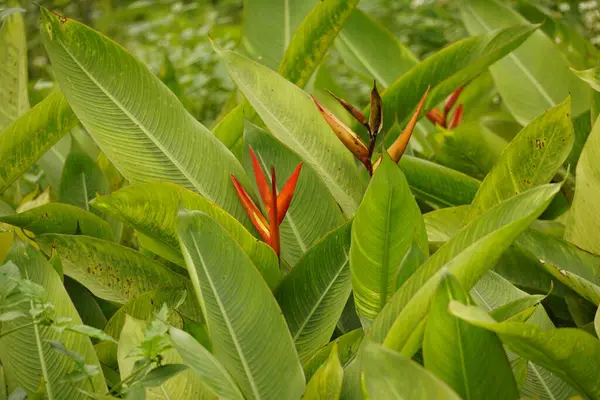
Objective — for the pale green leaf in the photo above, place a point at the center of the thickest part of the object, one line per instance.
(347, 347)
(234, 298)
(326, 383)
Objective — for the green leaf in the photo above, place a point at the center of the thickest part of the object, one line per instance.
(155, 138)
(269, 26)
(470, 148)
(326, 383)
(110, 271)
(475, 365)
(161, 374)
(26, 355)
(313, 295)
(230, 130)
(312, 213)
(468, 255)
(597, 322)
(293, 118)
(372, 50)
(563, 351)
(60, 218)
(447, 70)
(212, 374)
(437, 184)
(184, 385)
(14, 100)
(532, 158)
(528, 83)
(347, 347)
(151, 208)
(81, 179)
(312, 39)
(86, 304)
(389, 375)
(385, 226)
(28, 137)
(584, 217)
(234, 297)
(590, 76)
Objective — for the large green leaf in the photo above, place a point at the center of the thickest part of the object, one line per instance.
(151, 208)
(532, 158)
(293, 118)
(566, 352)
(314, 294)
(14, 100)
(386, 224)
(110, 271)
(326, 383)
(249, 334)
(204, 365)
(468, 255)
(134, 118)
(475, 365)
(347, 346)
(81, 179)
(60, 218)
(437, 184)
(26, 139)
(313, 38)
(372, 50)
(312, 213)
(535, 76)
(269, 26)
(26, 355)
(185, 385)
(584, 217)
(449, 69)
(390, 376)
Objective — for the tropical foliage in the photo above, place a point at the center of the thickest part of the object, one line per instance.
(370, 216)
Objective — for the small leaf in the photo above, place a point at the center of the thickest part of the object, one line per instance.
(326, 383)
(161, 374)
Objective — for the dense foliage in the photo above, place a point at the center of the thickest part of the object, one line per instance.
(392, 201)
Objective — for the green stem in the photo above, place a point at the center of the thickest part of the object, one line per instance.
(123, 381)
(8, 332)
(38, 341)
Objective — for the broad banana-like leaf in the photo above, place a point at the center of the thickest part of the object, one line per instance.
(312, 213)
(313, 295)
(468, 255)
(390, 376)
(563, 351)
(532, 158)
(475, 365)
(234, 298)
(372, 50)
(573, 267)
(185, 385)
(326, 383)
(386, 224)
(229, 130)
(347, 346)
(312, 39)
(14, 99)
(535, 76)
(134, 118)
(269, 27)
(86, 304)
(60, 218)
(151, 208)
(292, 117)
(208, 369)
(26, 355)
(28, 137)
(81, 179)
(437, 184)
(447, 70)
(584, 216)
(471, 148)
(110, 271)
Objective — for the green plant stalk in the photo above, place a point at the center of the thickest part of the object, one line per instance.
(38, 341)
(132, 375)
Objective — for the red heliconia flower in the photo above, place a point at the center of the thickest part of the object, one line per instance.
(276, 204)
(437, 117)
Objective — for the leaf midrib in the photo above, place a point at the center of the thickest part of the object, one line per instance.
(385, 256)
(138, 123)
(226, 319)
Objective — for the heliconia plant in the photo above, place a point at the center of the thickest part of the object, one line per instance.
(146, 256)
